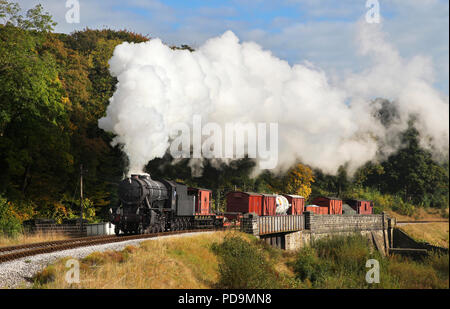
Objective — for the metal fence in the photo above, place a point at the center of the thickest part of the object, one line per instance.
(56, 229)
(70, 230)
(280, 224)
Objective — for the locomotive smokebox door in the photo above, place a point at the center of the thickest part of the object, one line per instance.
(132, 191)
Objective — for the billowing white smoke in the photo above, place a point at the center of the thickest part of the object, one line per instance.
(408, 83)
(323, 124)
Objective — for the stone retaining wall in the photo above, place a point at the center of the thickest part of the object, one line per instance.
(344, 223)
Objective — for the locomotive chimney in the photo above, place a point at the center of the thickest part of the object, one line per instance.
(144, 176)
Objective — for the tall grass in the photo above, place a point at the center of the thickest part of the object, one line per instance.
(167, 263)
(21, 238)
(235, 260)
(340, 262)
(242, 265)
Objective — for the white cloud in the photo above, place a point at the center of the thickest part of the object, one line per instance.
(322, 33)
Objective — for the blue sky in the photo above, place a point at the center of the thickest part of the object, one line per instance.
(319, 31)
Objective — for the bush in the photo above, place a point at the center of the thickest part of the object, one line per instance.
(308, 267)
(413, 274)
(439, 262)
(351, 251)
(243, 266)
(45, 276)
(10, 224)
(340, 262)
(381, 201)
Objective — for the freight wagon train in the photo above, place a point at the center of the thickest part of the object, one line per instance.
(239, 203)
(149, 206)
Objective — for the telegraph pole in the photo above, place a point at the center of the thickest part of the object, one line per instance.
(81, 197)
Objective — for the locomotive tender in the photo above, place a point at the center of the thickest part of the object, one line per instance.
(150, 206)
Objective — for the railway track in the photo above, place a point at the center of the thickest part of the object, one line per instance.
(422, 221)
(16, 252)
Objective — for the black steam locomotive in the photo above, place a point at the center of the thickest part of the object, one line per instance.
(149, 206)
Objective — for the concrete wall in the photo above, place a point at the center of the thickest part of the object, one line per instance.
(403, 240)
(103, 228)
(301, 239)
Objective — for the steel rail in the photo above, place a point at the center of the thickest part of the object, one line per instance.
(422, 221)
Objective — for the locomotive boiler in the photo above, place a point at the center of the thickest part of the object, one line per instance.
(150, 206)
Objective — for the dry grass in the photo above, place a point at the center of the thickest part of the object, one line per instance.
(436, 233)
(189, 263)
(420, 214)
(29, 238)
(433, 233)
(172, 263)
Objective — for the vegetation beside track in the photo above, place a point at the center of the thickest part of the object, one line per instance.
(22, 239)
(235, 260)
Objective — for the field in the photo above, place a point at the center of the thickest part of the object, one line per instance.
(235, 260)
(421, 214)
(435, 233)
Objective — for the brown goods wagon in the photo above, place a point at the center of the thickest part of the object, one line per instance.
(244, 202)
(333, 204)
(323, 210)
(313, 208)
(361, 206)
(297, 204)
(318, 210)
(269, 205)
(203, 199)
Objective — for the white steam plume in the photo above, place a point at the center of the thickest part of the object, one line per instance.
(323, 124)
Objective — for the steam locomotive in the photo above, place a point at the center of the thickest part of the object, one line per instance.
(150, 206)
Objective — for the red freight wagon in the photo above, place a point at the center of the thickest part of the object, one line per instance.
(269, 205)
(203, 199)
(333, 204)
(318, 210)
(362, 207)
(297, 204)
(244, 202)
(312, 208)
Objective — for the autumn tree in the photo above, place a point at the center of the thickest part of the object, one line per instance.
(298, 180)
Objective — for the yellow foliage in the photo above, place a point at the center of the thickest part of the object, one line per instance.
(298, 180)
(20, 215)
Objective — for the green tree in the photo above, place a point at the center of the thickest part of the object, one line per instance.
(10, 225)
(35, 19)
(34, 145)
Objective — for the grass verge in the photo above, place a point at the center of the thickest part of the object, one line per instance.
(236, 260)
(21, 239)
